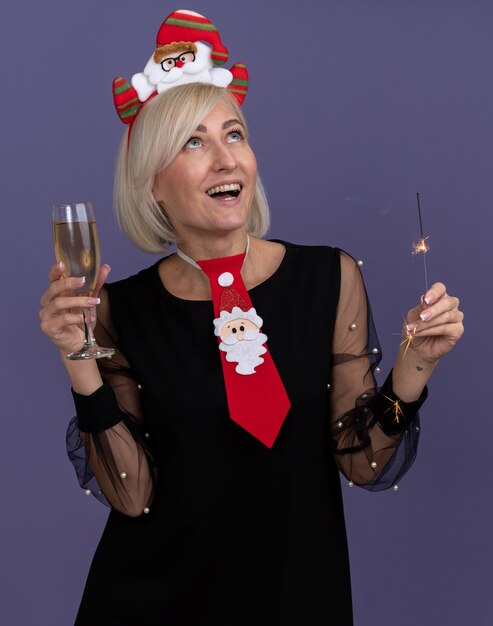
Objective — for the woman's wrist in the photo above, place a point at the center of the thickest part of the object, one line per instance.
(84, 375)
(97, 411)
(410, 375)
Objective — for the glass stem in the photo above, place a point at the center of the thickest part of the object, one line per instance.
(88, 334)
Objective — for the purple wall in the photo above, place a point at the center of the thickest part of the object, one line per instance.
(354, 106)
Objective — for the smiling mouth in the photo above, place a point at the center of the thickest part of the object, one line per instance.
(224, 191)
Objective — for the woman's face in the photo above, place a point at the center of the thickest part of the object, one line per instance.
(209, 187)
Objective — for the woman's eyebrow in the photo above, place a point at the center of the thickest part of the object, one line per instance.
(232, 122)
(203, 129)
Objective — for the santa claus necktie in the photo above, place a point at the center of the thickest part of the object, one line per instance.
(257, 399)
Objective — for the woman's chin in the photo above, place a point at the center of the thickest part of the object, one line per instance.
(228, 221)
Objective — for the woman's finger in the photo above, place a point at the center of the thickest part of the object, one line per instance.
(103, 275)
(58, 305)
(434, 293)
(425, 313)
(444, 304)
(54, 326)
(59, 286)
(447, 317)
(56, 271)
(449, 331)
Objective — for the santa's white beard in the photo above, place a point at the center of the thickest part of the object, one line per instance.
(190, 72)
(189, 68)
(246, 352)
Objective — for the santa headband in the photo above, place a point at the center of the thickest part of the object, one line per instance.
(188, 50)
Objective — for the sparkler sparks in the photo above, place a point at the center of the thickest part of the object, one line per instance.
(408, 339)
(421, 246)
(407, 342)
(396, 408)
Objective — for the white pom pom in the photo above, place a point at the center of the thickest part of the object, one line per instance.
(226, 279)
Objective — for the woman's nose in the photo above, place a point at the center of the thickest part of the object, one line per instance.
(224, 157)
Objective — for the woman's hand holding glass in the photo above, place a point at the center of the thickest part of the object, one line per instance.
(62, 318)
(77, 251)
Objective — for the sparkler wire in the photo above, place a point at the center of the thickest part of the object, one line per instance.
(420, 218)
(423, 244)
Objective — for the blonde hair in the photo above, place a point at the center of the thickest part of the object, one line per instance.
(160, 131)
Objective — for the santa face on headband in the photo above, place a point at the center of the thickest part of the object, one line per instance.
(241, 338)
(176, 64)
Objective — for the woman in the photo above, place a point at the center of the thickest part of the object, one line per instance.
(209, 525)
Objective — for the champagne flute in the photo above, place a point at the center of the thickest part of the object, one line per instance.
(77, 245)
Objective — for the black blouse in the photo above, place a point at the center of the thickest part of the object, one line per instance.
(208, 526)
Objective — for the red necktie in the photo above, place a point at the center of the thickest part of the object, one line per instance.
(256, 396)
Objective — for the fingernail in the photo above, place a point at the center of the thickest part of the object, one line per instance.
(93, 301)
(425, 316)
(429, 298)
(80, 280)
(108, 266)
(60, 265)
(411, 327)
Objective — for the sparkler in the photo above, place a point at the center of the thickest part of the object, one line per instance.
(417, 248)
(421, 246)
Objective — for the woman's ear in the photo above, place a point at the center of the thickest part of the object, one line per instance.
(164, 214)
(154, 192)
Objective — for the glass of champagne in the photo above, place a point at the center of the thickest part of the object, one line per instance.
(77, 245)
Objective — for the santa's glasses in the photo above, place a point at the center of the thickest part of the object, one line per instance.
(170, 62)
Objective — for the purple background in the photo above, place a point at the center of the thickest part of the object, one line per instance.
(353, 107)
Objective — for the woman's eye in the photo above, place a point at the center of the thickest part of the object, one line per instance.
(193, 142)
(235, 135)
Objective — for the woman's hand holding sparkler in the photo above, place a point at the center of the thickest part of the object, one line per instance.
(433, 327)
(431, 330)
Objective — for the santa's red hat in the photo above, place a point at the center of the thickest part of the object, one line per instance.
(229, 296)
(184, 25)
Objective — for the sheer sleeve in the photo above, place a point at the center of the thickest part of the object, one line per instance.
(374, 433)
(107, 441)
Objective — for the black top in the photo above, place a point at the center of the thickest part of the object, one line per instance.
(237, 534)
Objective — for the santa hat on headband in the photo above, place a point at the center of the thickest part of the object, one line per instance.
(186, 28)
(183, 25)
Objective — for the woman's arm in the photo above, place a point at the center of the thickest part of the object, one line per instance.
(375, 432)
(109, 418)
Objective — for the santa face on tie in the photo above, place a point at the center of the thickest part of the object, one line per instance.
(179, 63)
(241, 338)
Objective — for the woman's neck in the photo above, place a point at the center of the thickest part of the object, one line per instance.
(203, 248)
(189, 283)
